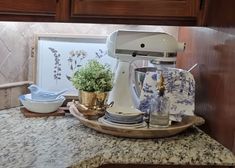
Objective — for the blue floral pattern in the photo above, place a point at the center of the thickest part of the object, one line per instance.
(180, 89)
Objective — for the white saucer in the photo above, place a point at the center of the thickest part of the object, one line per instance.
(124, 112)
(138, 125)
(123, 119)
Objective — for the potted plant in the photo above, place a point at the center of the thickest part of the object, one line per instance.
(93, 81)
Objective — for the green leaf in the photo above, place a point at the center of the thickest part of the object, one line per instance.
(93, 77)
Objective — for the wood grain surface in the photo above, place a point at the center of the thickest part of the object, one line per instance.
(214, 51)
(28, 114)
(142, 132)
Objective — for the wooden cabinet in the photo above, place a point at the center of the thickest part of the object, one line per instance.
(156, 12)
(151, 12)
(168, 12)
(28, 10)
(219, 13)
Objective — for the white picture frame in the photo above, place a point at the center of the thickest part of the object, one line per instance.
(57, 57)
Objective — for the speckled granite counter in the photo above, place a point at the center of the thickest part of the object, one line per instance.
(63, 142)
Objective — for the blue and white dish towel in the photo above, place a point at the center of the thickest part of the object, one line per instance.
(180, 89)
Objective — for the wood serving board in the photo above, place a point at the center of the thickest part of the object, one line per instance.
(144, 132)
(28, 114)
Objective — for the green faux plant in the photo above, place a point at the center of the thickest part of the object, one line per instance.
(93, 77)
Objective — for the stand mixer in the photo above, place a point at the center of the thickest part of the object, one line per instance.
(128, 46)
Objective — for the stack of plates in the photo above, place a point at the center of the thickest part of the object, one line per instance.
(125, 117)
(105, 121)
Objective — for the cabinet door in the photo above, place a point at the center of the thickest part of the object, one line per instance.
(219, 13)
(157, 11)
(28, 10)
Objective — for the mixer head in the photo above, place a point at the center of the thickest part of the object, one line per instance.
(134, 45)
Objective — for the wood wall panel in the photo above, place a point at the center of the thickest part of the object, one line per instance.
(214, 51)
(9, 93)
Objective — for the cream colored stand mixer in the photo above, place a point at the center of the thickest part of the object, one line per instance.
(128, 46)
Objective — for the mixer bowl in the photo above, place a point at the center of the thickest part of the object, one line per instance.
(140, 76)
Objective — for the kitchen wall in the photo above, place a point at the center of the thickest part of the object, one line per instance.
(16, 38)
(214, 50)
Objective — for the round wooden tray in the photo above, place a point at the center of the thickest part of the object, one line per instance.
(144, 132)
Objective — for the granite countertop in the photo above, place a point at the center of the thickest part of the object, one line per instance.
(63, 142)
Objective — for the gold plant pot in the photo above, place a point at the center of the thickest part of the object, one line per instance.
(93, 100)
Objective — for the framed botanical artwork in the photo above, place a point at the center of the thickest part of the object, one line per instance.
(57, 57)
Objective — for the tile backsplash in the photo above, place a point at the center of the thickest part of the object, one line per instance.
(16, 39)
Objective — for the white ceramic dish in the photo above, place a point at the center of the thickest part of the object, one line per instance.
(41, 107)
(104, 121)
(29, 97)
(124, 112)
(124, 119)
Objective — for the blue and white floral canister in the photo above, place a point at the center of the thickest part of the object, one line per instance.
(180, 90)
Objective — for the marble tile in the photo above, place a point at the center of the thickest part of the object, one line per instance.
(2, 79)
(10, 69)
(4, 100)
(2, 26)
(12, 37)
(23, 71)
(4, 52)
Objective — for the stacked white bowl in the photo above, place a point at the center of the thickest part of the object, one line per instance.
(40, 101)
(123, 115)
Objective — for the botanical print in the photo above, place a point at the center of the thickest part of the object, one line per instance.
(100, 53)
(74, 60)
(59, 57)
(74, 56)
(57, 65)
